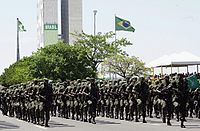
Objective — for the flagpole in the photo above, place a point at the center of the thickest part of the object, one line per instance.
(18, 53)
(115, 40)
(115, 30)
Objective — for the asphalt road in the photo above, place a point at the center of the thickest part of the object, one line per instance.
(103, 124)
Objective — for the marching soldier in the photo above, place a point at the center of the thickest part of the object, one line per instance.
(142, 88)
(183, 97)
(93, 98)
(46, 94)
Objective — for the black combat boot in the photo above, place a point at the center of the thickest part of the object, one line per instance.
(169, 123)
(182, 125)
(93, 120)
(144, 121)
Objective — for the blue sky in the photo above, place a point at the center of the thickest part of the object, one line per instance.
(162, 26)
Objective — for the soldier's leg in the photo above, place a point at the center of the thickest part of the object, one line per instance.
(24, 113)
(59, 109)
(31, 114)
(85, 113)
(98, 108)
(127, 112)
(67, 112)
(122, 113)
(103, 110)
(107, 110)
(136, 112)
(156, 110)
(42, 116)
(6, 109)
(28, 115)
(131, 113)
(90, 113)
(182, 116)
(77, 112)
(20, 113)
(144, 111)
(37, 116)
(163, 113)
(9, 111)
(16, 111)
(191, 108)
(94, 107)
(64, 111)
(169, 114)
(151, 110)
(112, 111)
(12, 111)
(116, 112)
(81, 113)
(73, 112)
(52, 109)
(47, 117)
(34, 115)
(177, 113)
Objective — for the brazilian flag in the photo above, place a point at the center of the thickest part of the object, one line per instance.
(20, 26)
(193, 82)
(122, 24)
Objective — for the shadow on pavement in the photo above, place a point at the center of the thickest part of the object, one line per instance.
(193, 126)
(193, 120)
(154, 121)
(190, 126)
(7, 125)
(54, 124)
(106, 122)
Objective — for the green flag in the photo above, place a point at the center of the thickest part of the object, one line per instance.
(20, 26)
(124, 25)
(193, 82)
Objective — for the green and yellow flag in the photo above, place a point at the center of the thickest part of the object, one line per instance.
(124, 25)
(193, 82)
(20, 26)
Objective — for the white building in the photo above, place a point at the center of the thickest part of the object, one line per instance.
(47, 20)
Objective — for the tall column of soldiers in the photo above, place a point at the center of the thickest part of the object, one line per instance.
(132, 99)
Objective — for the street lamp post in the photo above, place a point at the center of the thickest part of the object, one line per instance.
(95, 12)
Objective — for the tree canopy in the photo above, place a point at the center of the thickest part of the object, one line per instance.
(125, 66)
(100, 46)
(61, 61)
(57, 62)
(17, 73)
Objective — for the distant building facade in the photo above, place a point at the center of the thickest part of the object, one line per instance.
(71, 19)
(47, 20)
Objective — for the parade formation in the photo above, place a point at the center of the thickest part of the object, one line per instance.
(132, 99)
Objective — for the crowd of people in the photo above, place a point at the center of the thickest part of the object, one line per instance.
(131, 99)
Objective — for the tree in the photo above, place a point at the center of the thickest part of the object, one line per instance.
(125, 66)
(17, 73)
(61, 61)
(56, 62)
(100, 46)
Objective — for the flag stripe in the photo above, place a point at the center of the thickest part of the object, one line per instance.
(122, 24)
(21, 26)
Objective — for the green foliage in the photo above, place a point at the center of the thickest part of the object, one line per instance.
(125, 66)
(100, 46)
(17, 73)
(57, 62)
(61, 61)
